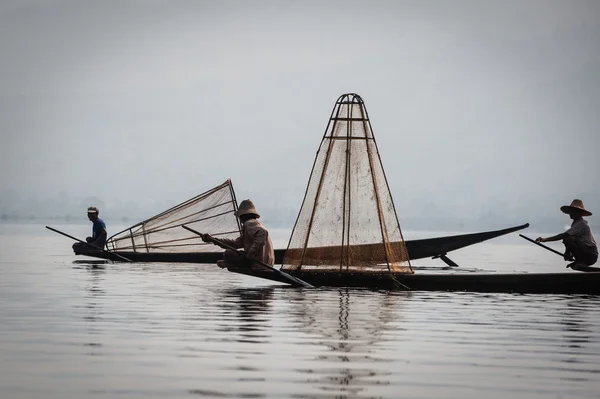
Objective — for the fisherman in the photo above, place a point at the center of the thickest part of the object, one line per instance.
(255, 240)
(98, 238)
(579, 241)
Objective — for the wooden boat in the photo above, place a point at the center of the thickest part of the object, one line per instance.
(348, 237)
(523, 283)
(533, 283)
(333, 245)
(436, 247)
(587, 269)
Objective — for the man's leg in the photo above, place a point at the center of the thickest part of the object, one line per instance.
(234, 258)
(570, 247)
(79, 248)
(584, 253)
(581, 252)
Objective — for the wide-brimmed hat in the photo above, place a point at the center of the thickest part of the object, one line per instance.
(92, 209)
(246, 208)
(577, 205)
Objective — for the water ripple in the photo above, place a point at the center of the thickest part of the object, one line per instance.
(169, 331)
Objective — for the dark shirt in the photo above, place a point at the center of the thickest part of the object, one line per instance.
(581, 229)
(97, 228)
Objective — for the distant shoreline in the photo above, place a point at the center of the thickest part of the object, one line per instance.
(412, 226)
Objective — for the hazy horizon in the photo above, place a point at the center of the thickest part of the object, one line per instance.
(484, 112)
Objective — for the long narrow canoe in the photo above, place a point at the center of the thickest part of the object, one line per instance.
(417, 249)
(569, 282)
(524, 283)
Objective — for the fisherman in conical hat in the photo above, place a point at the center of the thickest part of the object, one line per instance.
(579, 240)
(255, 240)
(98, 238)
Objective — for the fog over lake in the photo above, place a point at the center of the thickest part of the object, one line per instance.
(485, 113)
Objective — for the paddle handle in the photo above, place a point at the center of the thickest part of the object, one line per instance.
(87, 243)
(541, 245)
(227, 246)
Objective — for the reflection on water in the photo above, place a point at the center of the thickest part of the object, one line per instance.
(95, 292)
(103, 329)
(349, 331)
(252, 310)
(577, 329)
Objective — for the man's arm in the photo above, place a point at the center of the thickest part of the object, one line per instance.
(258, 242)
(557, 237)
(236, 243)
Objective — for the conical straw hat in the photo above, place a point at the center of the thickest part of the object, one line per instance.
(246, 207)
(577, 204)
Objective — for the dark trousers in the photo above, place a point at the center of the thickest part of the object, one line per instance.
(81, 248)
(580, 251)
(235, 258)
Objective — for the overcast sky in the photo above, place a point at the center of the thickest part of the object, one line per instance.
(473, 103)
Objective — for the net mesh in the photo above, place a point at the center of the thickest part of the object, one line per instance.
(347, 221)
(212, 212)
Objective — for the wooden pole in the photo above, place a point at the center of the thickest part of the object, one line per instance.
(292, 279)
(91, 245)
(541, 245)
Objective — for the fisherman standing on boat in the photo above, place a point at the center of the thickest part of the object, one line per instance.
(579, 240)
(255, 240)
(98, 238)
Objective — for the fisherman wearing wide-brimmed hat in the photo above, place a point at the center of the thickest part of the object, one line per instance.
(98, 238)
(255, 240)
(579, 240)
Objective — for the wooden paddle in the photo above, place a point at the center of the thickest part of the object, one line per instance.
(293, 280)
(580, 267)
(541, 245)
(91, 245)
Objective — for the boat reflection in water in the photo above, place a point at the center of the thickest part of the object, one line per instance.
(353, 331)
(252, 310)
(92, 312)
(336, 345)
(358, 342)
(574, 321)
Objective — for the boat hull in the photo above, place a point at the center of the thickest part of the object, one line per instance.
(523, 283)
(569, 282)
(417, 249)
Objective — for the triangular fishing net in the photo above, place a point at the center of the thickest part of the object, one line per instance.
(347, 222)
(211, 212)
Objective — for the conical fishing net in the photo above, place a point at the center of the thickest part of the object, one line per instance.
(212, 212)
(347, 221)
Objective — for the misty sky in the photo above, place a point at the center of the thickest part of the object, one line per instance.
(473, 103)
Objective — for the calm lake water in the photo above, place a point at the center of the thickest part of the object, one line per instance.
(71, 328)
